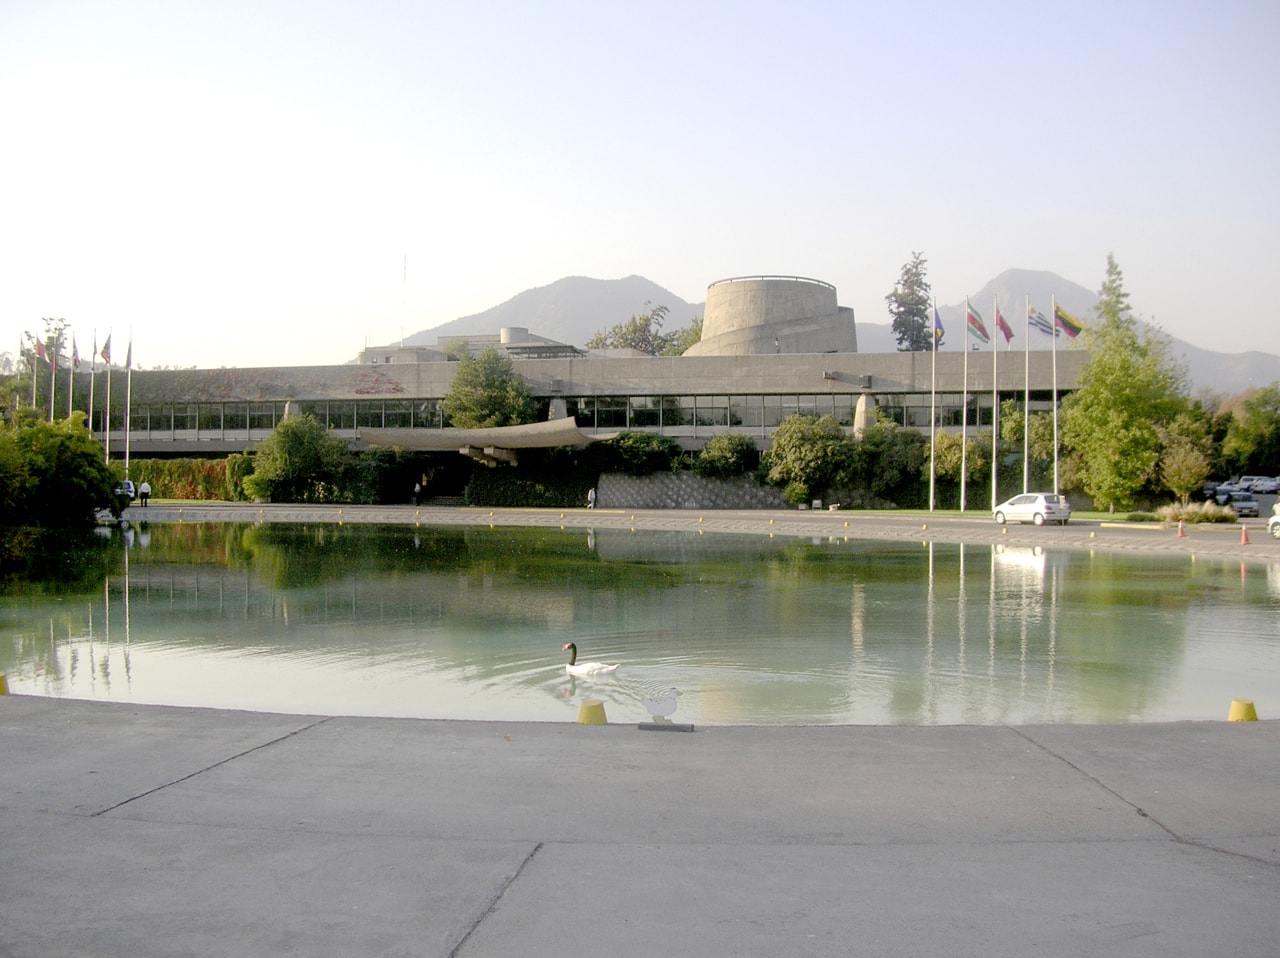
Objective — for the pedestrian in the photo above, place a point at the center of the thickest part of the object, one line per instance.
(417, 492)
(144, 492)
(591, 498)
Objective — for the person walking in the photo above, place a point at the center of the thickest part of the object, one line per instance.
(144, 492)
(591, 498)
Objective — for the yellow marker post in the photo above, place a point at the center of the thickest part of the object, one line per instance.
(591, 712)
(1242, 710)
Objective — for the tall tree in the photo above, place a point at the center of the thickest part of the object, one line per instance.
(1129, 387)
(487, 391)
(909, 306)
(643, 332)
(1252, 444)
(679, 340)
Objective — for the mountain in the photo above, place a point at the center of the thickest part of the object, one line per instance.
(573, 309)
(570, 310)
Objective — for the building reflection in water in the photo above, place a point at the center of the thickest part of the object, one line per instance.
(454, 623)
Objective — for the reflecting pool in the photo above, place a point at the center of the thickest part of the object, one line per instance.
(468, 623)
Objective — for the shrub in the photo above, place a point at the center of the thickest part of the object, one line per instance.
(644, 453)
(726, 456)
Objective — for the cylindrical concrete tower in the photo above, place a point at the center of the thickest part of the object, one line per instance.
(753, 315)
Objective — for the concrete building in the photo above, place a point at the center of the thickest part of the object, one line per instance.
(772, 347)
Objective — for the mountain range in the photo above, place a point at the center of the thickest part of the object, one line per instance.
(573, 309)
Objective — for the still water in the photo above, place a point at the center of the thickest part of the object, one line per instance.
(466, 623)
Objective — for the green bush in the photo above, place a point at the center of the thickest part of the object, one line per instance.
(1196, 512)
(726, 456)
(644, 453)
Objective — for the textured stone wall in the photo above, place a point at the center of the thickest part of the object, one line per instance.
(683, 490)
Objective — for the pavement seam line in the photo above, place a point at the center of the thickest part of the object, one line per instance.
(201, 771)
(493, 902)
(1102, 785)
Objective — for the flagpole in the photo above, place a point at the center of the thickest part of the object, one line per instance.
(71, 377)
(1054, 304)
(964, 411)
(106, 407)
(1026, 403)
(933, 414)
(128, 400)
(34, 356)
(53, 376)
(93, 377)
(995, 403)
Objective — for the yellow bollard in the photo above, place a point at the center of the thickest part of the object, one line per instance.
(591, 712)
(1242, 710)
(4, 684)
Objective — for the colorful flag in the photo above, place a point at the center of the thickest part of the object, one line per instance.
(1066, 322)
(1003, 326)
(938, 331)
(976, 327)
(75, 353)
(1037, 321)
(44, 358)
(106, 350)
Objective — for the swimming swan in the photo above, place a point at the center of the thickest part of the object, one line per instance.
(583, 668)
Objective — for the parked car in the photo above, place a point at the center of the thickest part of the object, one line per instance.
(1273, 526)
(1226, 490)
(1267, 484)
(1037, 507)
(126, 491)
(1244, 504)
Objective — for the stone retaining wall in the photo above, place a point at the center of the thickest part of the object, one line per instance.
(683, 490)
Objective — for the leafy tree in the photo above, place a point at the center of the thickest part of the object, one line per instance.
(487, 391)
(1039, 446)
(53, 474)
(909, 308)
(679, 341)
(298, 462)
(1185, 461)
(643, 453)
(643, 332)
(886, 465)
(1252, 443)
(726, 455)
(809, 451)
(1128, 387)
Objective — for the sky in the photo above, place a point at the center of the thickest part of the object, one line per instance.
(281, 182)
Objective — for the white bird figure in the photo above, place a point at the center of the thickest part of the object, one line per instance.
(584, 668)
(661, 704)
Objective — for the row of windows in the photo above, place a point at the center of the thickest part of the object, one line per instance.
(674, 415)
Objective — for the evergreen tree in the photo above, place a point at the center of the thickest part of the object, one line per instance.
(909, 307)
(487, 391)
(1128, 390)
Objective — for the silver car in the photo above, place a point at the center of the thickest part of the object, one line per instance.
(1037, 507)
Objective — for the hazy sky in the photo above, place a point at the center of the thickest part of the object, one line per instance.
(281, 181)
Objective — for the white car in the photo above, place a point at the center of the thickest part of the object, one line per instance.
(1037, 507)
(1273, 526)
(1264, 484)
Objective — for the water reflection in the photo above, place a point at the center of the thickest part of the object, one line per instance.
(468, 623)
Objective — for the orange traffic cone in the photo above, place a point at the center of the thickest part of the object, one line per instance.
(1181, 533)
(1244, 534)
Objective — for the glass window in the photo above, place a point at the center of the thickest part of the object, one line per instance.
(713, 410)
(209, 417)
(185, 416)
(369, 413)
(262, 415)
(235, 415)
(746, 411)
(611, 412)
(397, 414)
(583, 411)
(773, 411)
(646, 412)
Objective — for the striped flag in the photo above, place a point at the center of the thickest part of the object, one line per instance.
(44, 357)
(1037, 321)
(1003, 326)
(976, 327)
(75, 353)
(938, 331)
(106, 350)
(1066, 322)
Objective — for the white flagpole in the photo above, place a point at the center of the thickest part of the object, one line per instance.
(53, 374)
(1054, 323)
(128, 400)
(1026, 403)
(995, 403)
(964, 410)
(106, 406)
(93, 377)
(933, 414)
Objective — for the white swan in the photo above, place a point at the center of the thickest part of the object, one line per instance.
(583, 668)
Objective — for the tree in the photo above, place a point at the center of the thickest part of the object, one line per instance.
(1128, 388)
(1252, 443)
(487, 391)
(643, 332)
(298, 462)
(1185, 461)
(725, 456)
(679, 341)
(807, 452)
(909, 308)
(53, 474)
(644, 453)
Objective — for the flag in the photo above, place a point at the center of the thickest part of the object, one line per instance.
(75, 353)
(1037, 321)
(938, 331)
(976, 327)
(106, 350)
(44, 358)
(128, 356)
(1003, 326)
(1066, 322)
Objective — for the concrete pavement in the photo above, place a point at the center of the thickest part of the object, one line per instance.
(153, 831)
